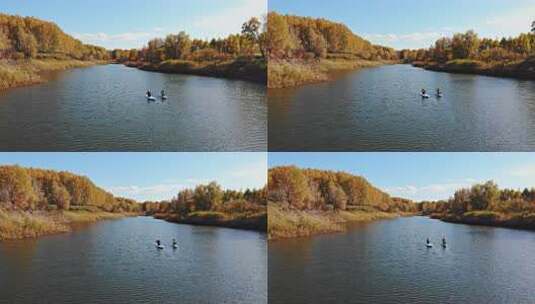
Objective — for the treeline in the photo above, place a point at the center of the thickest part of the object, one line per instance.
(210, 197)
(484, 197)
(310, 189)
(28, 37)
(29, 189)
(248, 43)
(470, 46)
(293, 37)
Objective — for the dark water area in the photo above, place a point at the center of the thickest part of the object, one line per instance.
(387, 262)
(117, 262)
(103, 108)
(380, 109)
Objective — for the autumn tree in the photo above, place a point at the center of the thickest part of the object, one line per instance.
(208, 197)
(278, 39)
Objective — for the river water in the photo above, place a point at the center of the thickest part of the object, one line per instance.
(103, 108)
(380, 109)
(387, 262)
(117, 262)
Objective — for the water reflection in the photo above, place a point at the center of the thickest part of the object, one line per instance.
(104, 109)
(381, 109)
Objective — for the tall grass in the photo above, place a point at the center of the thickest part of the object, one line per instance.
(289, 223)
(89, 217)
(20, 225)
(14, 73)
(293, 223)
(251, 69)
(285, 74)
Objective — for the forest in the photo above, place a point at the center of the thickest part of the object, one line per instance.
(309, 201)
(211, 205)
(310, 189)
(468, 53)
(29, 189)
(28, 37)
(35, 202)
(29, 46)
(236, 56)
(303, 49)
(486, 204)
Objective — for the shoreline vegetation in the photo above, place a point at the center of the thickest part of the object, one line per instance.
(238, 56)
(18, 73)
(30, 47)
(286, 223)
(306, 202)
(36, 202)
(467, 53)
(248, 69)
(304, 50)
(20, 225)
(521, 69)
(210, 205)
(486, 205)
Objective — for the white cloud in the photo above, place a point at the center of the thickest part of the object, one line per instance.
(435, 191)
(525, 171)
(122, 40)
(161, 191)
(410, 40)
(510, 23)
(252, 175)
(219, 24)
(229, 21)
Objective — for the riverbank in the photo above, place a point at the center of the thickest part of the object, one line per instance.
(253, 70)
(291, 223)
(21, 225)
(243, 221)
(523, 69)
(490, 218)
(16, 73)
(286, 74)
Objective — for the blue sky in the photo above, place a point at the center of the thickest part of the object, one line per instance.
(422, 176)
(131, 23)
(417, 23)
(152, 176)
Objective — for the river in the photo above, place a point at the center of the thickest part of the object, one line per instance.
(103, 108)
(380, 109)
(116, 262)
(387, 262)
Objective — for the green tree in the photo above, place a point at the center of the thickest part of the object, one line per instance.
(251, 29)
(483, 196)
(465, 45)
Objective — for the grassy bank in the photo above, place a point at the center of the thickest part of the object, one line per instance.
(290, 223)
(15, 73)
(253, 70)
(522, 69)
(20, 225)
(285, 74)
(491, 218)
(245, 221)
